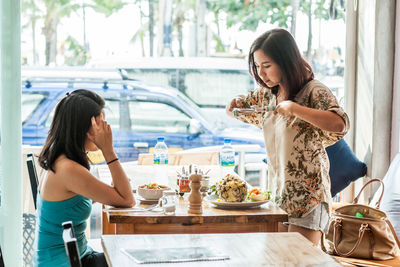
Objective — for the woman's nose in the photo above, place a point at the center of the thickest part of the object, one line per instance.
(261, 72)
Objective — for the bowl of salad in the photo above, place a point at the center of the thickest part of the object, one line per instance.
(151, 191)
(233, 192)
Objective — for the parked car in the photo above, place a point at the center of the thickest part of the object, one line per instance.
(138, 113)
(209, 82)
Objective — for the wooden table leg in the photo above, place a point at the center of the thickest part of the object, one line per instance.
(107, 228)
(124, 229)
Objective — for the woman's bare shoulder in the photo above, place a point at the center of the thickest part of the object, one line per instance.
(55, 185)
(64, 165)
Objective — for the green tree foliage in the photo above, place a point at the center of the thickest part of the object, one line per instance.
(74, 52)
(249, 13)
(106, 7)
(54, 11)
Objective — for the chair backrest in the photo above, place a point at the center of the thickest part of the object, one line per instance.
(1, 258)
(148, 159)
(184, 158)
(33, 177)
(71, 246)
(198, 158)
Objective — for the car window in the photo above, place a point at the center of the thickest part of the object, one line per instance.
(30, 102)
(111, 111)
(216, 88)
(50, 118)
(206, 87)
(159, 77)
(157, 117)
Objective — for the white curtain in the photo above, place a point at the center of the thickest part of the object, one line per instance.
(395, 138)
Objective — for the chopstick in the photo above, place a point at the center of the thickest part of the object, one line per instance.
(252, 109)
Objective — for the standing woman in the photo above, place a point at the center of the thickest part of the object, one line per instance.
(300, 117)
(67, 192)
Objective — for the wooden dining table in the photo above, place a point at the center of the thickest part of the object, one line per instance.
(264, 218)
(246, 249)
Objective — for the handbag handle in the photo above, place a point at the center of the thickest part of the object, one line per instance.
(361, 232)
(378, 203)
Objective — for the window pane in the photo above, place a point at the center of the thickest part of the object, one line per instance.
(111, 111)
(216, 88)
(29, 103)
(50, 118)
(158, 118)
(158, 76)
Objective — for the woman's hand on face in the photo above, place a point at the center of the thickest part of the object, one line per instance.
(102, 134)
(285, 108)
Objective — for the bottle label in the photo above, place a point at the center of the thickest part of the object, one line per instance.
(161, 161)
(228, 164)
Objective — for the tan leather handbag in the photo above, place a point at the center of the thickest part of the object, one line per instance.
(361, 231)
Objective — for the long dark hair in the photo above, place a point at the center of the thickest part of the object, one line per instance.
(280, 46)
(71, 122)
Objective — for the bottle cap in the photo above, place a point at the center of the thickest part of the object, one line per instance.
(227, 140)
(160, 139)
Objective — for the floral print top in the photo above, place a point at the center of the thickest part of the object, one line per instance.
(298, 165)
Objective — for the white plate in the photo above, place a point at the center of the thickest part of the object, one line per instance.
(147, 201)
(225, 204)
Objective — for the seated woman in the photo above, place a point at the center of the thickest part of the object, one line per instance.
(67, 192)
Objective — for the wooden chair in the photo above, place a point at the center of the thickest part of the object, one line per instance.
(184, 158)
(198, 158)
(147, 159)
(71, 246)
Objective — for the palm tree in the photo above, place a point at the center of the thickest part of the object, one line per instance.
(295, 9)
(151, 26)
(181, 8)
(55, 11)
(139, 35)
(31, 10)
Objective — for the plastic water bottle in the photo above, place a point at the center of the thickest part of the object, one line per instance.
(227, 158)
(161, 162)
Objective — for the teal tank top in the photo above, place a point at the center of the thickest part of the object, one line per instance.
(49, 244)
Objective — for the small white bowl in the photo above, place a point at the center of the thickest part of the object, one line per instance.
(151, 194)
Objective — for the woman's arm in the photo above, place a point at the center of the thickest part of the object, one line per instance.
(79, 180)
(120, 179)
(83, 183)
(323, 119)
(254, 98)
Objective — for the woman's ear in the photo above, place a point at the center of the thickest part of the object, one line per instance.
(90, 134)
